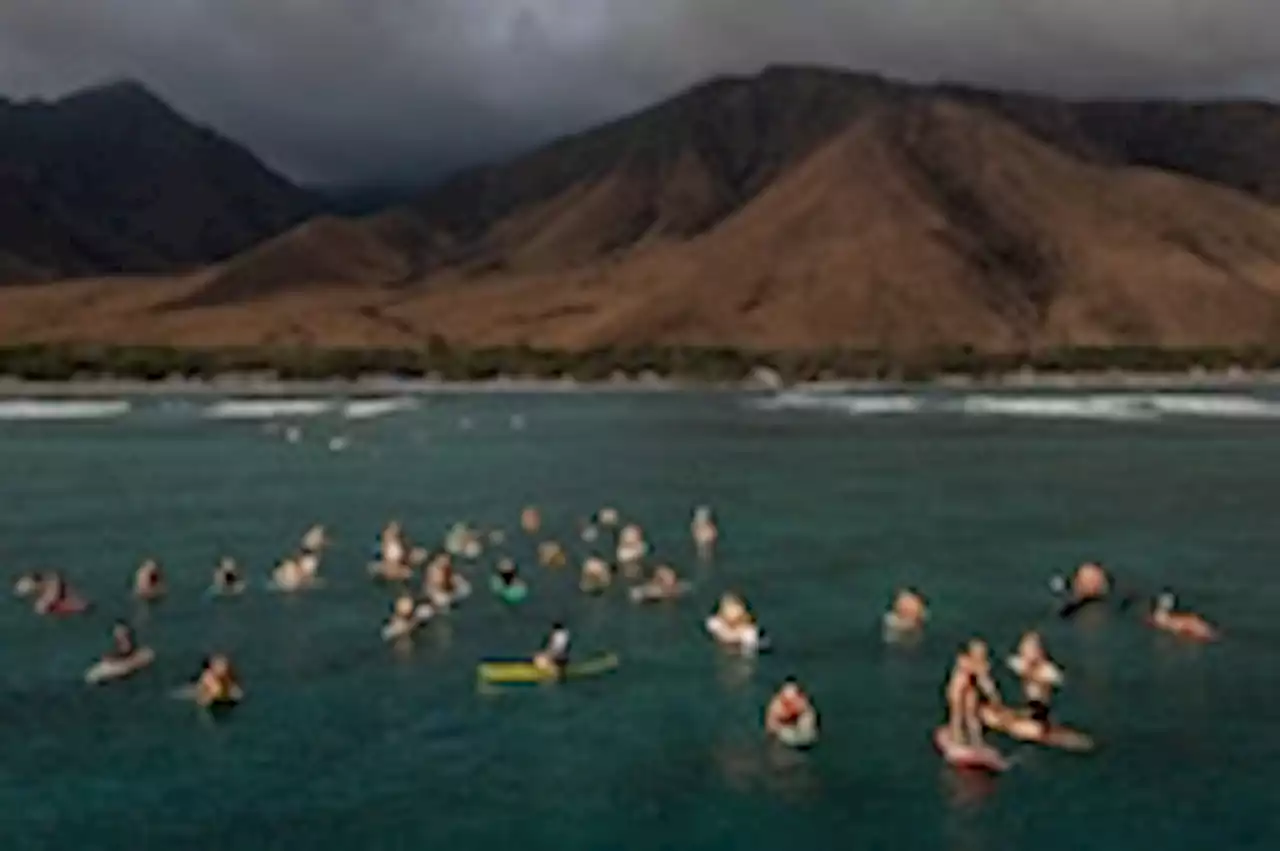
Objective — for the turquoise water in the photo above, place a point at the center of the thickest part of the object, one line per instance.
(347, 743)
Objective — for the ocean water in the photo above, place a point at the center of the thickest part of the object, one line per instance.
(827, 503)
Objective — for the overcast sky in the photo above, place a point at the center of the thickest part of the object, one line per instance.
(348, 90)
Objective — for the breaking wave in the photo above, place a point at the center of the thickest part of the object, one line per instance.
(41, 409)
(266, 409)
(1116, 407)
(366, 409)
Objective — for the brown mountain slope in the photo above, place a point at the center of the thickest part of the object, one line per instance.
(926, 223)
(682, 167)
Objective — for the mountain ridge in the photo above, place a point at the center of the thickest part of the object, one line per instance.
(797, 208)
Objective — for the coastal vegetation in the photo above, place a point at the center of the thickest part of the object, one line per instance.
(438, 360)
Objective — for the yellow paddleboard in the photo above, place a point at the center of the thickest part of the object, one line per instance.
(527, 672)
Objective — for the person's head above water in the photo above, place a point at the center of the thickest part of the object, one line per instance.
(404, 605)
(1165, 602)
(977, 650)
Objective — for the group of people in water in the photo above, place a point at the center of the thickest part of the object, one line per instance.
(430, 583)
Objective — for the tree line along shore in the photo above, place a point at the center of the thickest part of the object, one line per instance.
(693, 364)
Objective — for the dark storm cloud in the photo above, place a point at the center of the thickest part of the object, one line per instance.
(352, 89)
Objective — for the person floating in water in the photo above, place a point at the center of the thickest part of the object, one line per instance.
(969, 686)
(218, 683)
(704, 531)
(908, 613)
(1089, 584)
(507, 573)
(227, 578)
(789, 709)
(1185, 624)
(555, 653)
(148, 582)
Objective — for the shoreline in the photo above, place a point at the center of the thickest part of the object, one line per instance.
(381, 386)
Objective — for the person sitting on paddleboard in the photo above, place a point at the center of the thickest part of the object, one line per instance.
(1039, 676)
(1185, 624)
(555, 655)
(786, 709)
(507, 573)
(969, 685)
(217, 683)
(148, 582)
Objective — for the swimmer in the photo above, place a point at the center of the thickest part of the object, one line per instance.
(218, 683)
(148, 582)
(555, 655)
(393, 545)
(595, 575)
(969, 686)
(733, 612)
(908, 613)
(1185, 624)
(551, 554)
(53, 593)
(665, 585)
(632, 547)
(705, 533)
(588, 531)
(530, 520)
(1088, 584)
(607, 517)
(788, 709)
(226, 576)
(28, 585)
(507, 573)
(315, 540)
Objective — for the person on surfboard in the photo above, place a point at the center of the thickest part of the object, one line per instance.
(968, 687)
(1039, 676)
(555, 654)
(786, 709)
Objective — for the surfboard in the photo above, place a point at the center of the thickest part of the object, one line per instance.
(974, 758)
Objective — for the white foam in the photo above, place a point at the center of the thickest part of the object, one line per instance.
(366, 409)
(1214, 405)
(39, 409)
(265, 409)
(1088, 407)
(855, 405)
